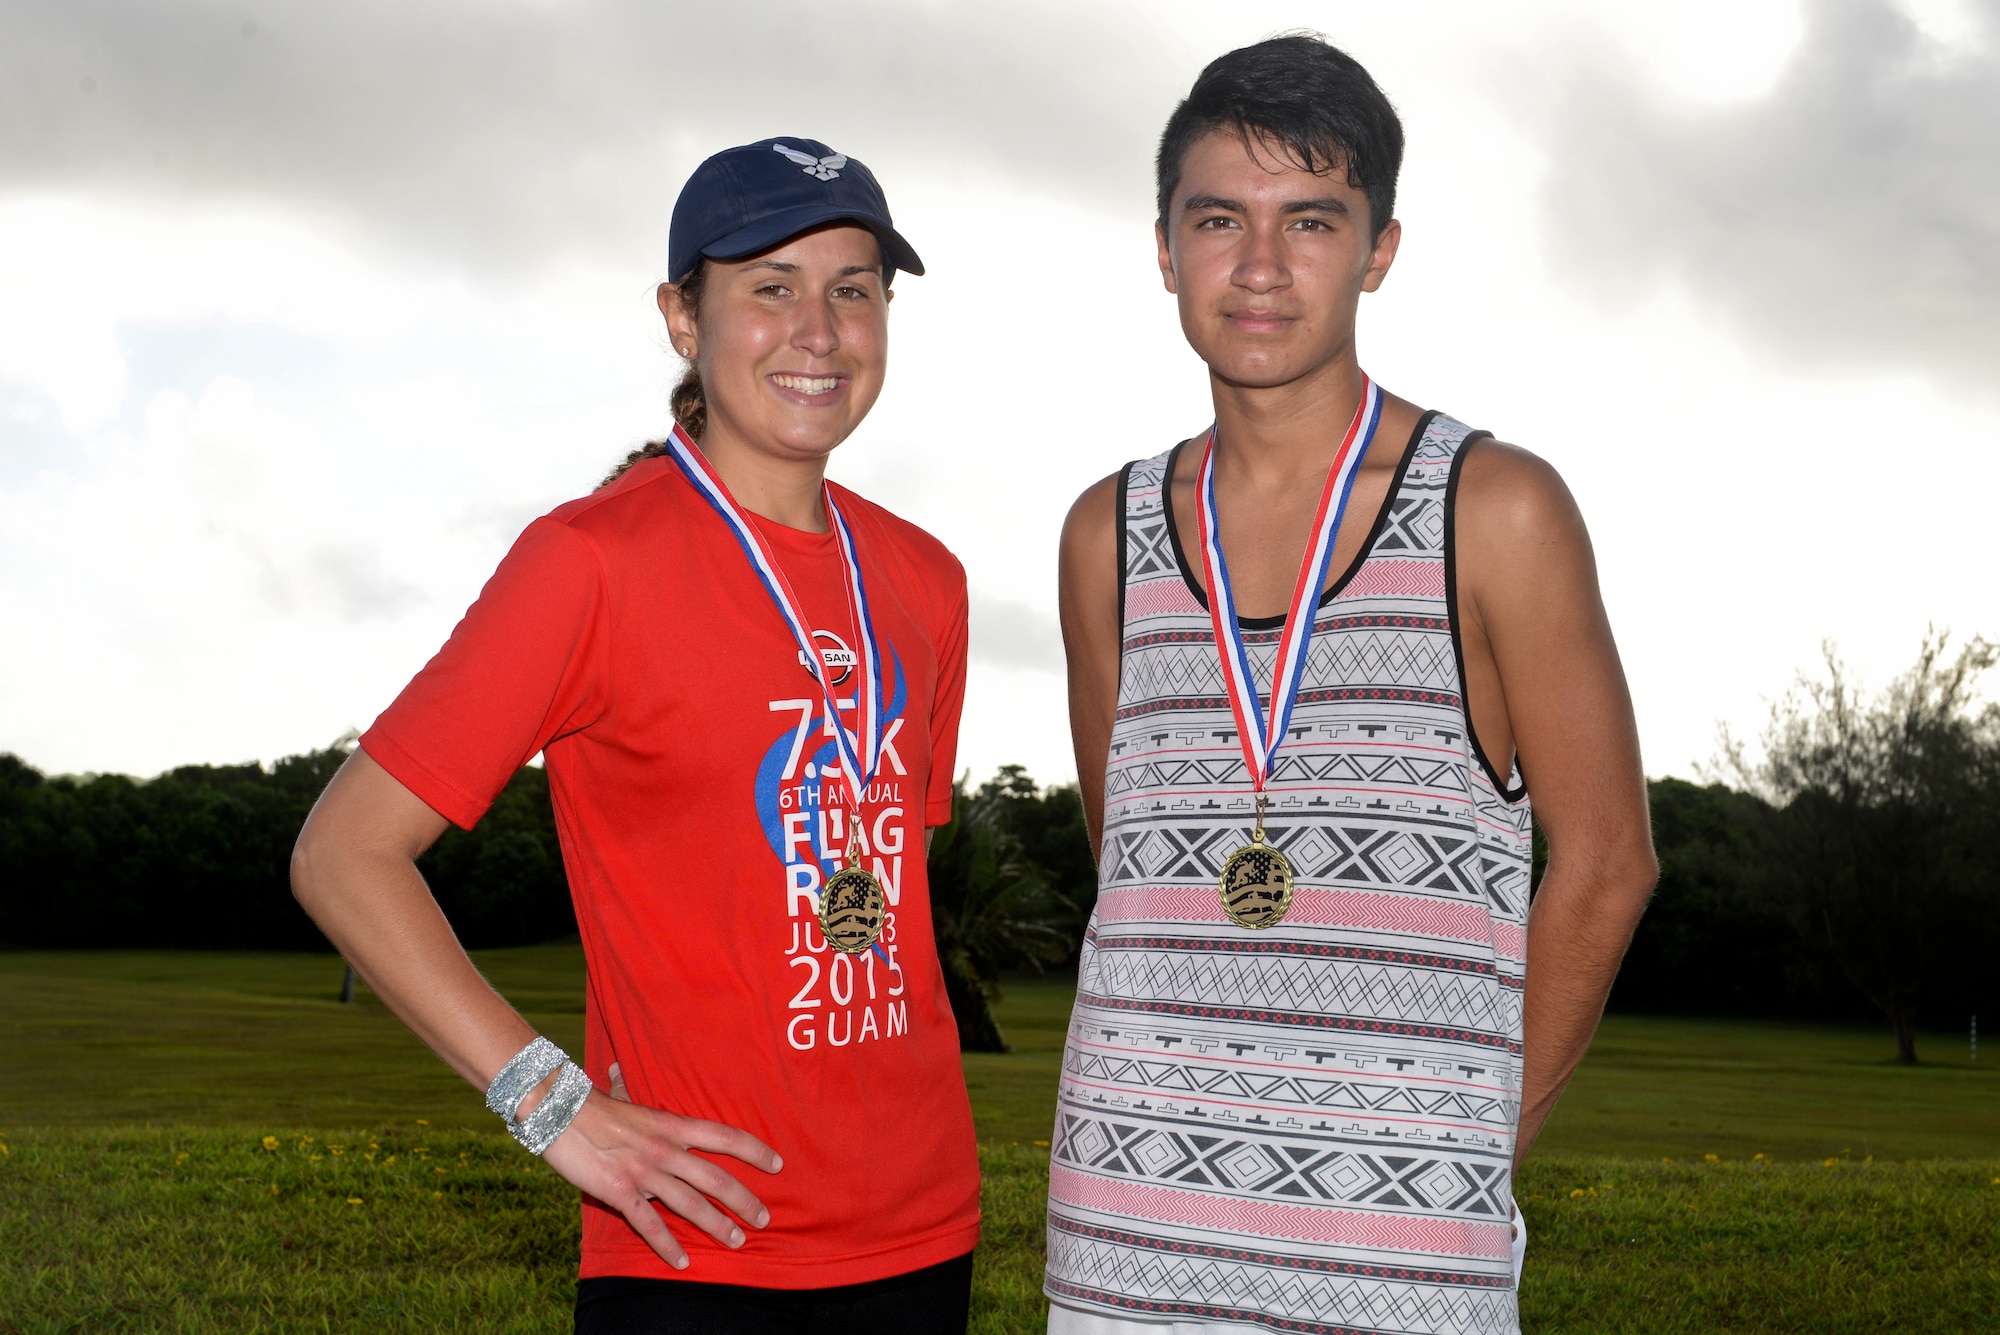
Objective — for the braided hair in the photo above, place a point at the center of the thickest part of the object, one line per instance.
(689, 401)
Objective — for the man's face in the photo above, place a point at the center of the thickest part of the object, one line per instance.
(1269, 261)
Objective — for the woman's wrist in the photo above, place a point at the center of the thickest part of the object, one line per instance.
(538, 1093)
(523, 1072)
(533, 1098)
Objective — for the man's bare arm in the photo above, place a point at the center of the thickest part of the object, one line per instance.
(1539, 650)
(1088, 593)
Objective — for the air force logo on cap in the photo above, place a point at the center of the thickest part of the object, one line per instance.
(824, 168)
(747, 200)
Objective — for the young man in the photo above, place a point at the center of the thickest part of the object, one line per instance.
(1309, 1046)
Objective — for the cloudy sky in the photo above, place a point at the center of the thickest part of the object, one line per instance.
(306, 310)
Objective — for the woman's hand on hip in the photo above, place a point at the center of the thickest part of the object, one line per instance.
(629, 1156)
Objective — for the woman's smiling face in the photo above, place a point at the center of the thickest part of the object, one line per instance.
(793, 344)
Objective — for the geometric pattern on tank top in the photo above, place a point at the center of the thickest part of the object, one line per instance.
(1306, 1127)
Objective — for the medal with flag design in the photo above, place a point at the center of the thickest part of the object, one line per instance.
(1256, 882)
(852, 908)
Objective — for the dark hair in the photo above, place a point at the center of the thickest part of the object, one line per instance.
(1311, 99)
(688, 401)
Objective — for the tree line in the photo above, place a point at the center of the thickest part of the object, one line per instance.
(1849, 869)
(199, 859)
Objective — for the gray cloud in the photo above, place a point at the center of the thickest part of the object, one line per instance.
(1848, 219)
(1014, 635)
(504, 135)
(346, 578)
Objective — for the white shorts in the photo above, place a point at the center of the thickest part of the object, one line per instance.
(1072, 1321)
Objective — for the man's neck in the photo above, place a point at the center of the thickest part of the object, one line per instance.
(1276, 437)
(786, 491)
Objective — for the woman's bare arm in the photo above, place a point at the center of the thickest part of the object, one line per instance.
(354, 870)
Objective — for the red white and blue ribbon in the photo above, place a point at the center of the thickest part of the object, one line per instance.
(860, 751)
(1260, 737)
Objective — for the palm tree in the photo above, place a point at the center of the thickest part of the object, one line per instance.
(992, 909)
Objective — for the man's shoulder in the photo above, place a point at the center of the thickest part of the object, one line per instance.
(1096, 508)
(1093, 516)
(1102, 494)
(1516, 529)
(1506, 486)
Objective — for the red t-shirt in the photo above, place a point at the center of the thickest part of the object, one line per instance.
(627, 638)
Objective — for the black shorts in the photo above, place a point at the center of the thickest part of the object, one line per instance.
(933, 1301)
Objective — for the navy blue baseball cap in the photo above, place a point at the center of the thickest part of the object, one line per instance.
(746, 200)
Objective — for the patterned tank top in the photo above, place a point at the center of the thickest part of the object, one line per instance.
(1307, 1127)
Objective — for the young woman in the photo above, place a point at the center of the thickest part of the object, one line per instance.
(745, 682)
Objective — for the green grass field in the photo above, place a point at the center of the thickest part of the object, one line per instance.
(137, 1192)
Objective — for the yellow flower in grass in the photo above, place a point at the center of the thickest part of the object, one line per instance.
(270, 1144)
(354, 1200)
(180, 1158)
(1830, 1163)
(438, 1171)
(1712, 1158)
(422, 1122)
(437, 1195)
(1041, 1144)
(1666, 1160)
(4, 1151)
(1756, 1158)
(313, 1158)
(386, 1162)
(1576, 1195)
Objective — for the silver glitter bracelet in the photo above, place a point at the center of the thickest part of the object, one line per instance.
(552, 1116)
(529, 1067)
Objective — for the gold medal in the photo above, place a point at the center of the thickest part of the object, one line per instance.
(1256, 881)
(852, 908)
